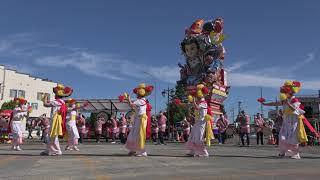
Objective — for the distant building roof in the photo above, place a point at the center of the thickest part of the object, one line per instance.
(43, 79)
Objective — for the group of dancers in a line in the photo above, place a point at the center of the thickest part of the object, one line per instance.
(63, 122)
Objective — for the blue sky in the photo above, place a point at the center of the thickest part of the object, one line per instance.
(101, 48)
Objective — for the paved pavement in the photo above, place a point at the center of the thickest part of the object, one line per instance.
(109, 161)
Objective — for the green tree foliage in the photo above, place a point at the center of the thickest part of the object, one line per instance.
(8, 105)
(177, 113)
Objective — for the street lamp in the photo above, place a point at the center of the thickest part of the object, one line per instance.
(169, 92)
(155, 91)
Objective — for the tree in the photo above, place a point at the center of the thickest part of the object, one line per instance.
(177, 113)
(180, 92)
(8, 105)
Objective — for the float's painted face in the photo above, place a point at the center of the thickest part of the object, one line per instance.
(191, 50)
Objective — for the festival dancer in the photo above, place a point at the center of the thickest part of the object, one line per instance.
(244, 121)
(195, 143)
(222, 124)
(259, 124)
(123, 129)
(277, 126)
(292, 132)
(58, 119)
(98, 128)
(81, 125)
(45, 126)
(185, 129)
(114, 130)
(162, 123)
(19, 113)
(72, 131)
(154, 130)
(137, 136)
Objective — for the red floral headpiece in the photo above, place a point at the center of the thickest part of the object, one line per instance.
(62, 91)
(20, 100)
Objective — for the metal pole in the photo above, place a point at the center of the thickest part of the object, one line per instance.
(261, 106)
(239, 107)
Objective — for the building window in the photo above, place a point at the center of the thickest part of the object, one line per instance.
(48, 95)
(13, 93)
(40, 94)
(34, 106)
(21, 93)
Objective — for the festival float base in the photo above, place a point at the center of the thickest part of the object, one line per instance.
(218, 94)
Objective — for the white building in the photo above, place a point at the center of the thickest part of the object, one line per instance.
(15, 84)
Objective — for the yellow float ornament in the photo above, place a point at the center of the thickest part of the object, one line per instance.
(190, 99)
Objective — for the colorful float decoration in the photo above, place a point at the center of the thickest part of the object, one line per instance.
(204, 58)
(5, 120)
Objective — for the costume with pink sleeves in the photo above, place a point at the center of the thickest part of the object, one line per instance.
(114, 125)
(123, 125)
(222, 124)
(259, 123)
(244, 121)
(162, 123)
(186, 128)
(81, 124)
(99, 124)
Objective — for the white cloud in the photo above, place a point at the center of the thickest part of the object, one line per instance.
(236, 66)
(272, 76)
(107, 66)
(245, 80)
(110, 66)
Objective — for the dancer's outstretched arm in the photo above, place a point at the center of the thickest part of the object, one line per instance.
(278, 103)
(132, 105)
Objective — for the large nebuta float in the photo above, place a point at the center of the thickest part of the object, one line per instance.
(204, 58)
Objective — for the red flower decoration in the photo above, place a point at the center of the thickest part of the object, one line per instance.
(193, 92)
(296, 83)
(286, 89)
(205, 90)
(121, 98)
(294, 100)
(149, 89)
(67, 90)
(135, 90)
(177, 102)
(261, 100)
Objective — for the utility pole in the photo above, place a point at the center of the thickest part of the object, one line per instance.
(232, 111)
(239, 107)
(277, 107)
(261, 106)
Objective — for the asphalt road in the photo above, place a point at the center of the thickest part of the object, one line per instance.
(110, 161)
